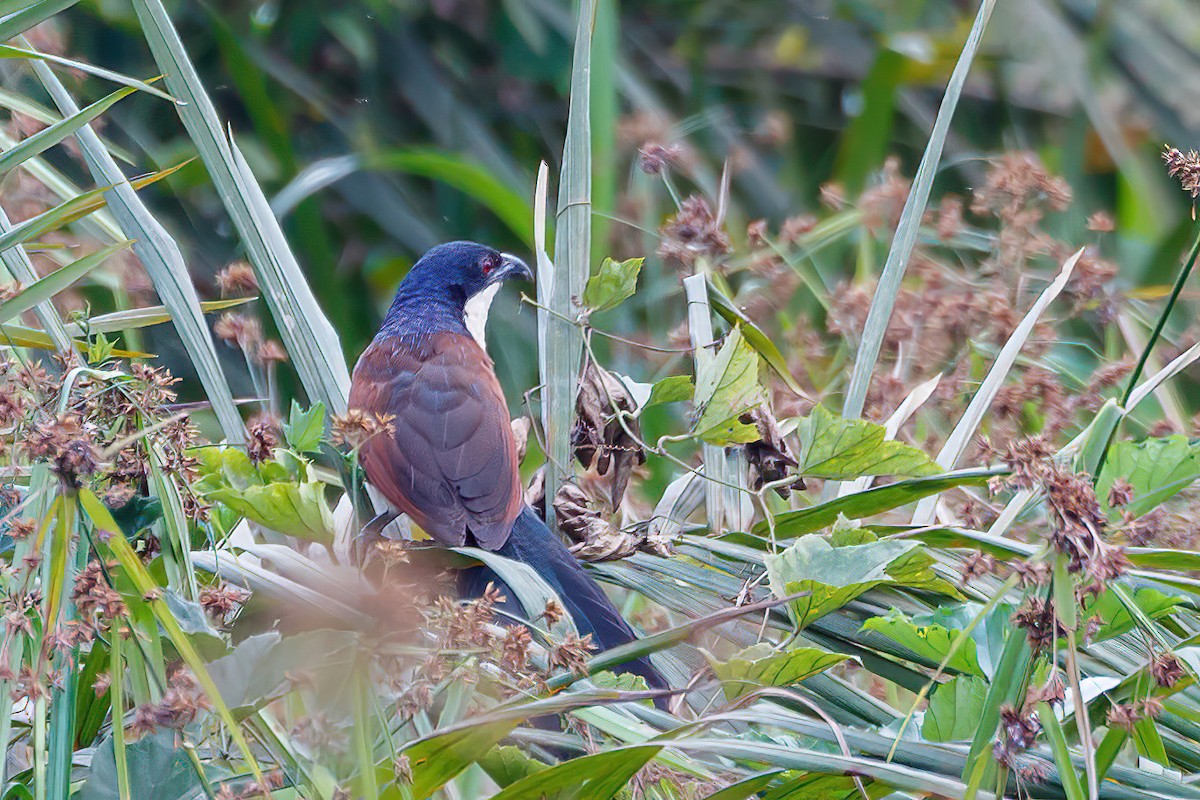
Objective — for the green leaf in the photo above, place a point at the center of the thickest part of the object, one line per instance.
(872, 501)
(70, 210)
(727, 389)
(754, 335)
(672, 389)
(931, 642)
(1115, 617)
(954, 709)
(7, 51)
(612, 284)
(157, 768)
(1158, 469)
(33, 14)
(56, 281)
(841, 449)
(304, 429)
(145, 317)
(833, 576)
(762, 665)
(278, 494)
(508, 764)
(47, 137)
(595, 776)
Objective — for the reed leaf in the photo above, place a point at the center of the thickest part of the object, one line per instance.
(880, 312)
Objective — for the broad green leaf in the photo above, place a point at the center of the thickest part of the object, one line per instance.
(841, 449)
(954, 709)
(762, 665)
(1115, 618)
(303, 429)
(1158, 469)
(56, 281)
(594, 776)
(278, 494)
(747, 787)
(672, 389)
(47, 137)
(754, 335)
(931, 642)
(612, 284)
(832, 576)
(507, 764)
(872, 501)
(157, 768)
(727, 390)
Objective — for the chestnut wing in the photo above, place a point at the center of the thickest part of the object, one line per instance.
(451, 463)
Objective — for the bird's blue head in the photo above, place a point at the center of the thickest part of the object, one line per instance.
(446, 277)
(460, 270)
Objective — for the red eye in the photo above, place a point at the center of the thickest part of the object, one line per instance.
(489, 264)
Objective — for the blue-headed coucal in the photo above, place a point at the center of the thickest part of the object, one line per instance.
(451, 463)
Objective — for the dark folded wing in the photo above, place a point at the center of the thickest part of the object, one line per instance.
(451, 463)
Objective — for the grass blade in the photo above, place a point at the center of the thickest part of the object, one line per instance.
(46, 138)
(18, 266)
(160, 255)
(8, 51)
(30, 16)
(960, 437)
(311, 341)
(910, 223)
(56, 281)
(572, 252)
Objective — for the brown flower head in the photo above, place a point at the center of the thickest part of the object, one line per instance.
(514, 649)
(64, 442)
(1167, 669)
(221, 601)
(237, 279)
(262, 437)
(572, 653)
(693, 233)
(239, 330)
(1121, 493)
(1184, 167)
(356, 426)
(655, 159)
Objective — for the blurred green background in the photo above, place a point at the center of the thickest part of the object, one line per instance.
(382, 128)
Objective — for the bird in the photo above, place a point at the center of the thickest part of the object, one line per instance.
(448, 458)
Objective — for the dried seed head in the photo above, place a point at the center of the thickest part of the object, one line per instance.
(572, 653)
(693, 233)
(1167, 669)
(356, 426)
(239, 330)
(237, 279)
(655, 159)
(262, 437)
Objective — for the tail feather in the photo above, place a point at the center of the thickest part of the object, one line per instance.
(532, 543)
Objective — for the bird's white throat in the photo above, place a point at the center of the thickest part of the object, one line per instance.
(476, 313)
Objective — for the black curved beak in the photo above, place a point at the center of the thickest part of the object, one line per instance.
(512, 268)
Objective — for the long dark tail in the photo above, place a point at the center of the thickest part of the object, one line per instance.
(532, 543)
